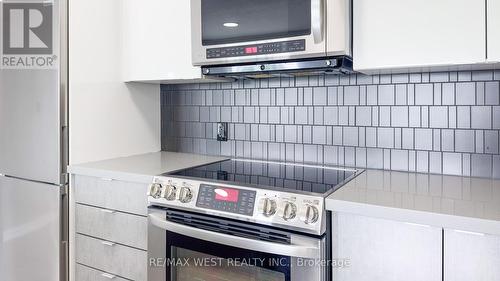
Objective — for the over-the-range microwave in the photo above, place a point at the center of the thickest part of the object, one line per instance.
(254, 34)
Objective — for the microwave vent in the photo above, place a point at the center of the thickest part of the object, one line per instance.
(303, 67)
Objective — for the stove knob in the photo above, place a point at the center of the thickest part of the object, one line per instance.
(267, 207)
(154, 190)
(169, 192)
(289, 211)
(311, 215)
(185, 194)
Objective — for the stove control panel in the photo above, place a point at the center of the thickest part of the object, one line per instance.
(239, 201)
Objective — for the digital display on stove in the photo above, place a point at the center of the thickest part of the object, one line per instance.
(226, 194)
(238, 201)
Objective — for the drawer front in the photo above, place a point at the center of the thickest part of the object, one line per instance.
(83, 273)
(111, 194)
(116, 259)
(113, 226)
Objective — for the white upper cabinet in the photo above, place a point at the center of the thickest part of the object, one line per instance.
(494, 30)
(157, 41)
(396, 34)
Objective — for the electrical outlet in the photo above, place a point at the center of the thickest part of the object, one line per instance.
(222, 131)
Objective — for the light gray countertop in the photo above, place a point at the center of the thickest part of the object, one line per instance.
(143, 167)
(462, 203)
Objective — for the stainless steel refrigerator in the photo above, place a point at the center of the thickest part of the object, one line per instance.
(33, 150)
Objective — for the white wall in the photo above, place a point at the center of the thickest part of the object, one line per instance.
(108, 118)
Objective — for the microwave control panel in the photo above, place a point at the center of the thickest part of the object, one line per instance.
(239, 201)
(257, 49)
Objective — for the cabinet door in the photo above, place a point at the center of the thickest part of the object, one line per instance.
(157, 40)
(395, 34)
(471, 256)
(494, 30)
(386, 250)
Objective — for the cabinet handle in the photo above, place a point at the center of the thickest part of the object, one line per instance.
(108, 211)
(107, 275)
(107, 179)
(417, 224)
(107, 243)
(469, 232)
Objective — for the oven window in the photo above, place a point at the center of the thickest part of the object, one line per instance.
(195, 259)
(217, 269)
(239, 21)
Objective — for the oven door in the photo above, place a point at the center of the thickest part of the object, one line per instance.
(222, 23)
(185, 246)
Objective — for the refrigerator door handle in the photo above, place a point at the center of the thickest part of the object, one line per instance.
(107, 243)
(108, 211)
(107, 275)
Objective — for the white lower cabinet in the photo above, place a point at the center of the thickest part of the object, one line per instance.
(110, 229)
(90, 274)
(471, 256)
(111, 257)
(111, 225)
(386, 250)
(128, 197)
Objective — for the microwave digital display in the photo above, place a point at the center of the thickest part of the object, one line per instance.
(251, 50)
(259, 49)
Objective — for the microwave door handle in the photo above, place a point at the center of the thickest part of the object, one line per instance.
(317, 20)
(305, 250)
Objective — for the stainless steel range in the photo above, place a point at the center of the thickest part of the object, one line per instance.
(270, 215)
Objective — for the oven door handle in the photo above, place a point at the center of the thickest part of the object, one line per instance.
(317, 20)
(305, 249)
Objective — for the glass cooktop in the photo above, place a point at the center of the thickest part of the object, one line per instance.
(290, 177)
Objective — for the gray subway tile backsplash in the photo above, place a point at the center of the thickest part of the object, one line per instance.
(464, 141)
(496, 166)
(452, 163)
(386, 94)
(424, 94)
(363, 116)
(482, 165)
(399, 116)
(491, 142)
(384, 116)
(496, 117)
(481, 117)
(492, 96)
(438, 117)
(466, 93)
(446, 122)
(423, 139)
(385, 137)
